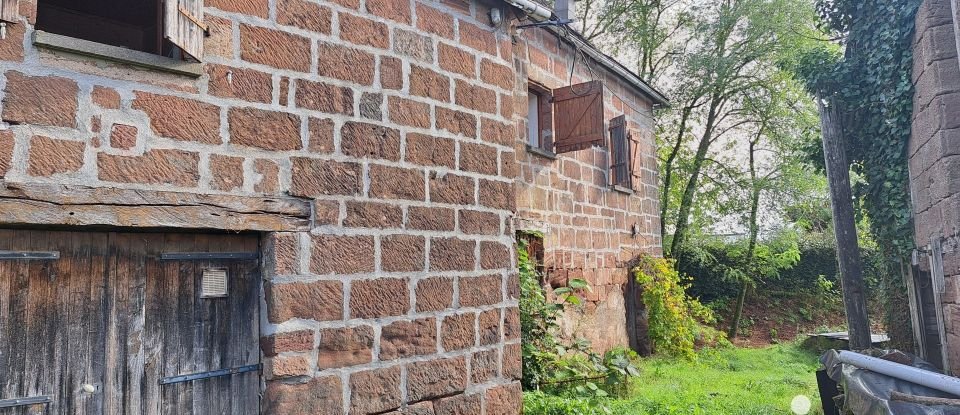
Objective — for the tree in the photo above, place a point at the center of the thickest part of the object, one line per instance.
(737, 43)
(651, 32)
(782, 122)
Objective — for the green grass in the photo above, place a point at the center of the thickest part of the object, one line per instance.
(730, 380)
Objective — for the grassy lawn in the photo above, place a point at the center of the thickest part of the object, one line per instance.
(722, 381)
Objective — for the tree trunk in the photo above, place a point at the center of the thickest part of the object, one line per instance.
(738, 312)
(848, 251)
(754, 233)
(668, 172)
(686, 202)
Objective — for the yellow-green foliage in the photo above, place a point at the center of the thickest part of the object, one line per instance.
(674, 325)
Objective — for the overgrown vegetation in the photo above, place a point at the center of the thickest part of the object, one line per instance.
(676, 322)
(871, 83)
(551, 363)
(720, 381)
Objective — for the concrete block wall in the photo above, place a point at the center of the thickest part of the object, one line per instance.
(588, 226)
(394, 117)
(934, 151)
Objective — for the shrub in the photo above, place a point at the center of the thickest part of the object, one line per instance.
(539, 403)
(675, 318)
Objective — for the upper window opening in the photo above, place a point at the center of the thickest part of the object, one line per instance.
(171, 28)
(539, 118)
(533, 119)
(130, 24)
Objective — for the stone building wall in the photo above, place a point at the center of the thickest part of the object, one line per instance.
(588, 226)
(934, 151)
(394, 118)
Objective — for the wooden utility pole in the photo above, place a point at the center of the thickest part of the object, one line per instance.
(844, 224)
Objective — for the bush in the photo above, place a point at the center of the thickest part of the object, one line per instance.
(674, 318)
(817, 262)
(539, 403)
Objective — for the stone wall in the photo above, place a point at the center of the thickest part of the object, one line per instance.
(934, 151)
(393, 117)
(588, 226)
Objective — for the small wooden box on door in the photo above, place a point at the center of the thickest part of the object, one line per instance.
(118, 323)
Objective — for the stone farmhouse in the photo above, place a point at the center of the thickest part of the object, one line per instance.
(305, 206)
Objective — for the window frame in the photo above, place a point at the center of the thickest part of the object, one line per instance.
(147, 60)
(544, 98)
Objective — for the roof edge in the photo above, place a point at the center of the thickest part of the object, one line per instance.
(612, 65)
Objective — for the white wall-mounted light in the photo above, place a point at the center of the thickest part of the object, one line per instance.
(496, 17)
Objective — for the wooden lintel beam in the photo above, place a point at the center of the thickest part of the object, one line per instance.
(52, 204)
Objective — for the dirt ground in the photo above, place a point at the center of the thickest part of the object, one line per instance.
(777, 318)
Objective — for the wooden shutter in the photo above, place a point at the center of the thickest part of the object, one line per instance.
(8, 10)
(620, 166)
(579, 120)
(184, 25)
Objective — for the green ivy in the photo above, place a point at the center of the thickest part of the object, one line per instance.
(872, 80)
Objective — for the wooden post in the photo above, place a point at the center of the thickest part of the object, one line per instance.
(848, 251)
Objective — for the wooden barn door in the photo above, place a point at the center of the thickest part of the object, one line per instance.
(124, 323)
(52, 309)
(202, 350)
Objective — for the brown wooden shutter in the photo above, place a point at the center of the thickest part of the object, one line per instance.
(620, 148)
(579, 120)
(184, 25)
(8, 11)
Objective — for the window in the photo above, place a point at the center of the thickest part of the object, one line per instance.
(621, 151)
(126, 30)
(130, 24)
(578, 123)
(539, 119)
(533, 119)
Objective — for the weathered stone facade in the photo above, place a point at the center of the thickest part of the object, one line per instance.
(392, 117)
(375, 145)
(588, 225)
(934, 153)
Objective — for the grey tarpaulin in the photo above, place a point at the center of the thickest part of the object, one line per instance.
(868, 393)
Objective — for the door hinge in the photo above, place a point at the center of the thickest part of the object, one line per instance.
(45, 255)
(211, 374)
(204, 256)
(196, 20)
(33, 400)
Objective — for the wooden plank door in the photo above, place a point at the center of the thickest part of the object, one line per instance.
(51, 319)
(189, 335)
(98, 328)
